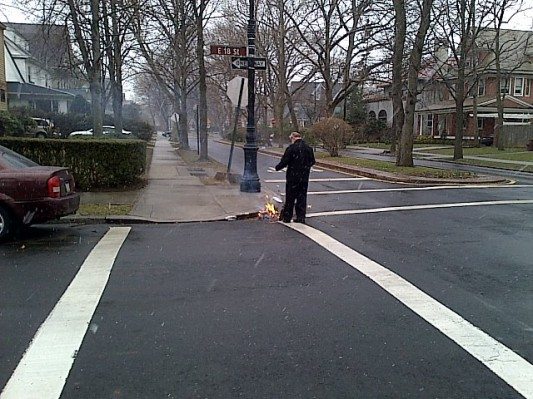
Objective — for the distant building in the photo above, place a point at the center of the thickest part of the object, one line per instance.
(3, 82)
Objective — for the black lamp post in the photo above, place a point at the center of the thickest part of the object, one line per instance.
(250, 180)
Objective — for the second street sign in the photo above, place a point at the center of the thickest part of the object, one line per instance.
(242, 63)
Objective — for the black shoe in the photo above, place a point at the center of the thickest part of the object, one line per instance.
(286, 220)
(299, 221)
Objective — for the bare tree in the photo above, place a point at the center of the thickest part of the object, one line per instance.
(201, 17)
(166, 38)
(85, 19)
(338, 39)
(277, 40)
(117, 41)
(459, 27)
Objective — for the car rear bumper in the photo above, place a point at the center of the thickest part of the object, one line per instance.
(46, 209)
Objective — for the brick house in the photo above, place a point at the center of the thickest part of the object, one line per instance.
(435, 114)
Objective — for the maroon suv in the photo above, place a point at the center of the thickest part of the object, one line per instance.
(30, 193)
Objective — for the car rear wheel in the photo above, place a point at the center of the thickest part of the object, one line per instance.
(40, 135)
(6, 223)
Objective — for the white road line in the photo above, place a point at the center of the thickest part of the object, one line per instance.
(418, 207)
(384, 190)
(506, 364)
(45, 366)
(324, 179)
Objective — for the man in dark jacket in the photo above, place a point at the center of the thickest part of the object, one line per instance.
(298, 159)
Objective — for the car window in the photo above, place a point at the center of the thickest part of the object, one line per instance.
(15, 160)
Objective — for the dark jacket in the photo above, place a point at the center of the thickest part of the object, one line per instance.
(298, 159)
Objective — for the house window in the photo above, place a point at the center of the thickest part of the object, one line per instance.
(519, 87)
(504, 86)
(429, 122)
(29, 74)
(481, 87)
(527, 87)
(479, 123)
(372, 114)
(382, 116)
(2, 95)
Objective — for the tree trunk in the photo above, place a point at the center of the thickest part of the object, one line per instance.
(116, 83)
(477, 139)
(96, 72)
(459, 111)
(400, 27)
(498, 141)
(405, 153)
(202, 85)
(183, 130)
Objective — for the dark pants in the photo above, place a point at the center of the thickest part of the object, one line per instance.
(295, 198)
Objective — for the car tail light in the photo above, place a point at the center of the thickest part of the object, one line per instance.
(54, 187)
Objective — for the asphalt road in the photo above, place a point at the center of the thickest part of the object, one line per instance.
(257, 309)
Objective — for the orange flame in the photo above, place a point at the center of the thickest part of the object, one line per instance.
(270, 212)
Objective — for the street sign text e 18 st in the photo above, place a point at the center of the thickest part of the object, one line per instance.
(227, 50)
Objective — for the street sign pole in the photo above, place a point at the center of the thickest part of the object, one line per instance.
(250, 180)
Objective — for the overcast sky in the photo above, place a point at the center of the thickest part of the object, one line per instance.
(11, 13)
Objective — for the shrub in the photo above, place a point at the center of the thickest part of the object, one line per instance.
(334, 133)
(309, 137)
(139, 128)
(10, 124)
(94, 163)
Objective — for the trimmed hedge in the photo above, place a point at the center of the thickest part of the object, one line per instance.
(94, 163)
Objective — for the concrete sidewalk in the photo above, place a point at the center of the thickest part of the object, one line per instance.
(175, 194)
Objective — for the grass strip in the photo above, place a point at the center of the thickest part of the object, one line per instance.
(420, 171)
(499, 165)
(104, 209)
(474, 151)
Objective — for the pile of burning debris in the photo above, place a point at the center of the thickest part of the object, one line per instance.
(271, 211)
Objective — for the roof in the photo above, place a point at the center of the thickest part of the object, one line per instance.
(2, 26)
(516, 48)
(49, 44)
(23, 89)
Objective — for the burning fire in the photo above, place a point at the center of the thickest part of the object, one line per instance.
(270, 212)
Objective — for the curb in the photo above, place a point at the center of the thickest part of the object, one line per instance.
(129, 219)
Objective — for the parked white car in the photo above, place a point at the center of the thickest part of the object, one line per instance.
(106, 130)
